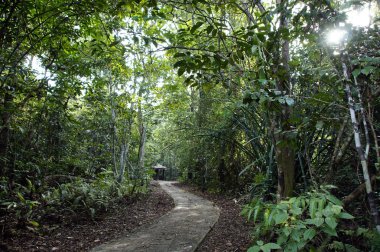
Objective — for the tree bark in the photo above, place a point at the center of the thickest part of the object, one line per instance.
(5, 132)
(359, 147)
(125, 145)
(142, 147)
(142, 130)
(338, 149)
(357, 192)
(285, 153)
(114, 129)
(202, 113)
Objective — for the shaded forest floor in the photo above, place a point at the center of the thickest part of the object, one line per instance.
(120, 220)
(232, 232)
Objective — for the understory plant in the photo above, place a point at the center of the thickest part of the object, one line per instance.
(88, 196)
(308, 222)
(19, 202)
(80, 197)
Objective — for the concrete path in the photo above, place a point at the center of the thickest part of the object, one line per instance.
(182, 229)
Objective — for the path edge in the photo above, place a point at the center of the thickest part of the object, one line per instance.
(211, 227)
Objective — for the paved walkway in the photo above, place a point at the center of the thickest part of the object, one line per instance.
(182, 229)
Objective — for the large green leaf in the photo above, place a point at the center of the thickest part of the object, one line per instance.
(195, 27)
(270, 246)
(309, 234)
(331, 222)
(281, 217)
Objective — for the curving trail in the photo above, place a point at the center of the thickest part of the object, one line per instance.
(182, 229)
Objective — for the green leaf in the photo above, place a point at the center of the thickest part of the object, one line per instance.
(291, 246)
(296, 235)
(346, 216)
(367, 70)
(181, 70)
(254, 249)
(21, 198)
(337, 246)
(301, 225)
(373, 60)
(256, 212)
(331, 222)
(350, 248)
(295, 210)
(269, 246)
(254, 49)
(179, 63)
(286, 231)
(260, 243)
(319, 125)
(281, 217)
(262, 74)
(316, 221)
(361, 231)
(178, 55)
(195, 27)
(209, 29)
(301, 245)
(327, 212)
(329, 231)
(114, 43)
(34, 223)
(356, 72)
(334, 200)
(281, 239)
(309, 234)
(281, 100)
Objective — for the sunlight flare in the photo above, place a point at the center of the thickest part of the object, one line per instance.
(336, 36)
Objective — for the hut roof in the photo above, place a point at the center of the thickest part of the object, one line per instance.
(158, 166)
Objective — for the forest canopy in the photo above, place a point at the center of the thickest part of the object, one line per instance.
(276, 101)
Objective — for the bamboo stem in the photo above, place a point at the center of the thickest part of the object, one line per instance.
(359, 148)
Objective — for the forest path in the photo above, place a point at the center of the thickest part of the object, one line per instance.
(182, 229)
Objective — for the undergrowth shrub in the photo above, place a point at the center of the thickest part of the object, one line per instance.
(305, 223)
(89, 197)
(19, 202)
(78, 198)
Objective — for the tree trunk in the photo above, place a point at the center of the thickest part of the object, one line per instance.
(359, 147)
(123, 152)
(202, 112)
(114, 130)
(285, 153)
(5, 132)
(142, 147)
(125, 145)
(285, 156)
(142, 130)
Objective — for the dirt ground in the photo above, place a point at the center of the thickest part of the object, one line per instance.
(231, 232)
(117, 222)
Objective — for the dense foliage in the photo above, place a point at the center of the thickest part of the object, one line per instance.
(239, 97)
(76, 84)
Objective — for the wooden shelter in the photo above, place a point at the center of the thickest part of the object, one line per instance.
(159, 172)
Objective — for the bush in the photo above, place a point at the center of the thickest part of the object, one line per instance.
(305, 222)
(78, 197)
(18, 203)
(86, 197)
